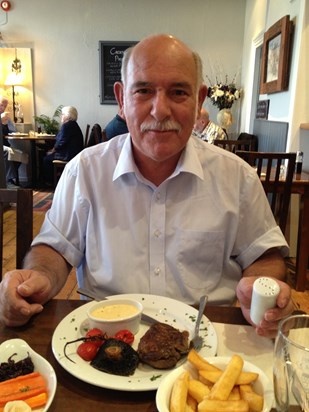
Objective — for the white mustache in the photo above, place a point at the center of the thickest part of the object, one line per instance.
(163, 126)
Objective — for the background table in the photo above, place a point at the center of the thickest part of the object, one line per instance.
(75, 395)
(33, 138)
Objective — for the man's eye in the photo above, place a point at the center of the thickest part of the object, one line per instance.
(179, 92)
(142, 91)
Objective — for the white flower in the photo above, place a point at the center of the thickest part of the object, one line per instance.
(224, 95)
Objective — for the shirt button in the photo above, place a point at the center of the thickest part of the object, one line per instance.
(157, 233)
(157, 271)
(158, 196)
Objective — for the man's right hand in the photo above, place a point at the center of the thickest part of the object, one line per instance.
(23, 293)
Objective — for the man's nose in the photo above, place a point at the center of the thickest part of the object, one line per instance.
(160, 106)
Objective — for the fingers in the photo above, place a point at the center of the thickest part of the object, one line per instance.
(20, 315)
(23, 293)
(269, 325)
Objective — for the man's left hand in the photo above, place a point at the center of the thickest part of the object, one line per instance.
(268, 326)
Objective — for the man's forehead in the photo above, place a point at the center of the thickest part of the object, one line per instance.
(168, 71)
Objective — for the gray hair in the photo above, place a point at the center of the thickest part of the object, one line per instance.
(4, 100)
(196, 57)
(69, 112)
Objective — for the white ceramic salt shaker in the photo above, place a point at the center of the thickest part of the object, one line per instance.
(264, 297)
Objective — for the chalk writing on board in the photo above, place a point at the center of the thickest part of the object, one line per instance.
(262, 109)
(111, 54)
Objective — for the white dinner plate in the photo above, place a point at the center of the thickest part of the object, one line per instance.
(21, 348)
(18, 134)
(165, 310)
(262, 386)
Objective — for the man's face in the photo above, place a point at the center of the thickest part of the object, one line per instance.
(160, 101)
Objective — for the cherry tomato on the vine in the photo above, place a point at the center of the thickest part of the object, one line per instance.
(125, 335)
(96, 332)
(87, 351)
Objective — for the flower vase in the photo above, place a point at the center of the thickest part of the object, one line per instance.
(225, 118)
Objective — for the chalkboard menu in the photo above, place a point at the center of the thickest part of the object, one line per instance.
(262, 109)
(111, 53)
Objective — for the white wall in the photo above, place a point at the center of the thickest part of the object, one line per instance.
(292, 105)
(64, 36)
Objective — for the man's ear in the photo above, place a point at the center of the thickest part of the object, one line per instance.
(118, 91)
(202, 94)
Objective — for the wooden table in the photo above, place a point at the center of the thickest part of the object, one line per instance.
(75, 395)
(33, 138)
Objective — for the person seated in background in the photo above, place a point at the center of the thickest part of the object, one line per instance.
(207, 130)
(69, 142)
(152, 211)
(116, 126)
(8, 126)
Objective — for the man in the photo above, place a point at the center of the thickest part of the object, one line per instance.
(11, 167)
(153, 211)
(116, 126)
(207, 130)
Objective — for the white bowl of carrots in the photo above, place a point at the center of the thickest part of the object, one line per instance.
(43, 377)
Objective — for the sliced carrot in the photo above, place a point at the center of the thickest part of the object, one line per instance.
(21, 389)
(19, 378)
(37, 401)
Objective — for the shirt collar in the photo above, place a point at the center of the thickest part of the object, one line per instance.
(188, 163)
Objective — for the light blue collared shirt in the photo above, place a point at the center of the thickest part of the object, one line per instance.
(193, 234)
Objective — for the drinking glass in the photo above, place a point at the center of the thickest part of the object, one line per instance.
(291, 363)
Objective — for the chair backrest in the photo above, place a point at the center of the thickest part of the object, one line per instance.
(276, 171)
(252, 137)
(104, 137)
(233, 145)
(23, 198)
(87, 135)
(95, 135)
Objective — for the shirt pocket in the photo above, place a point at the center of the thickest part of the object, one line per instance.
(200, 258)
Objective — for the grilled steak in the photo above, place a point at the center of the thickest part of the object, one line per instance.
(162, 346)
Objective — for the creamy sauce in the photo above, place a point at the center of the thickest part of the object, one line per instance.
(112, 312)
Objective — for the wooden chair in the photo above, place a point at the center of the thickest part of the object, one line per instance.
(104, 137)
(95, 135)
(252, 137)
(233, 145)
(277, 183)
(59, 165)
(24, 221)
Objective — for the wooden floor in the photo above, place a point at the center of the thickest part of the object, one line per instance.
(301, 299)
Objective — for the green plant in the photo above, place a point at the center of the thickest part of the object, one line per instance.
(50, 125)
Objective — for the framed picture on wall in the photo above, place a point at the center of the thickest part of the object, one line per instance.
(276, 53)
(111, 54)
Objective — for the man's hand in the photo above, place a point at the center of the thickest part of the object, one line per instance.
(23, 293)
(269, 325)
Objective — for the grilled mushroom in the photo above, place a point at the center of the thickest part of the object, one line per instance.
(116, 357)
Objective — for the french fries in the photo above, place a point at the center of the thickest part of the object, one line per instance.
(179, 393)
(212, 405)
(222, 388)
(200, 363)
(215, 390)
(198, 390)
(245, 378)
(254, 400)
